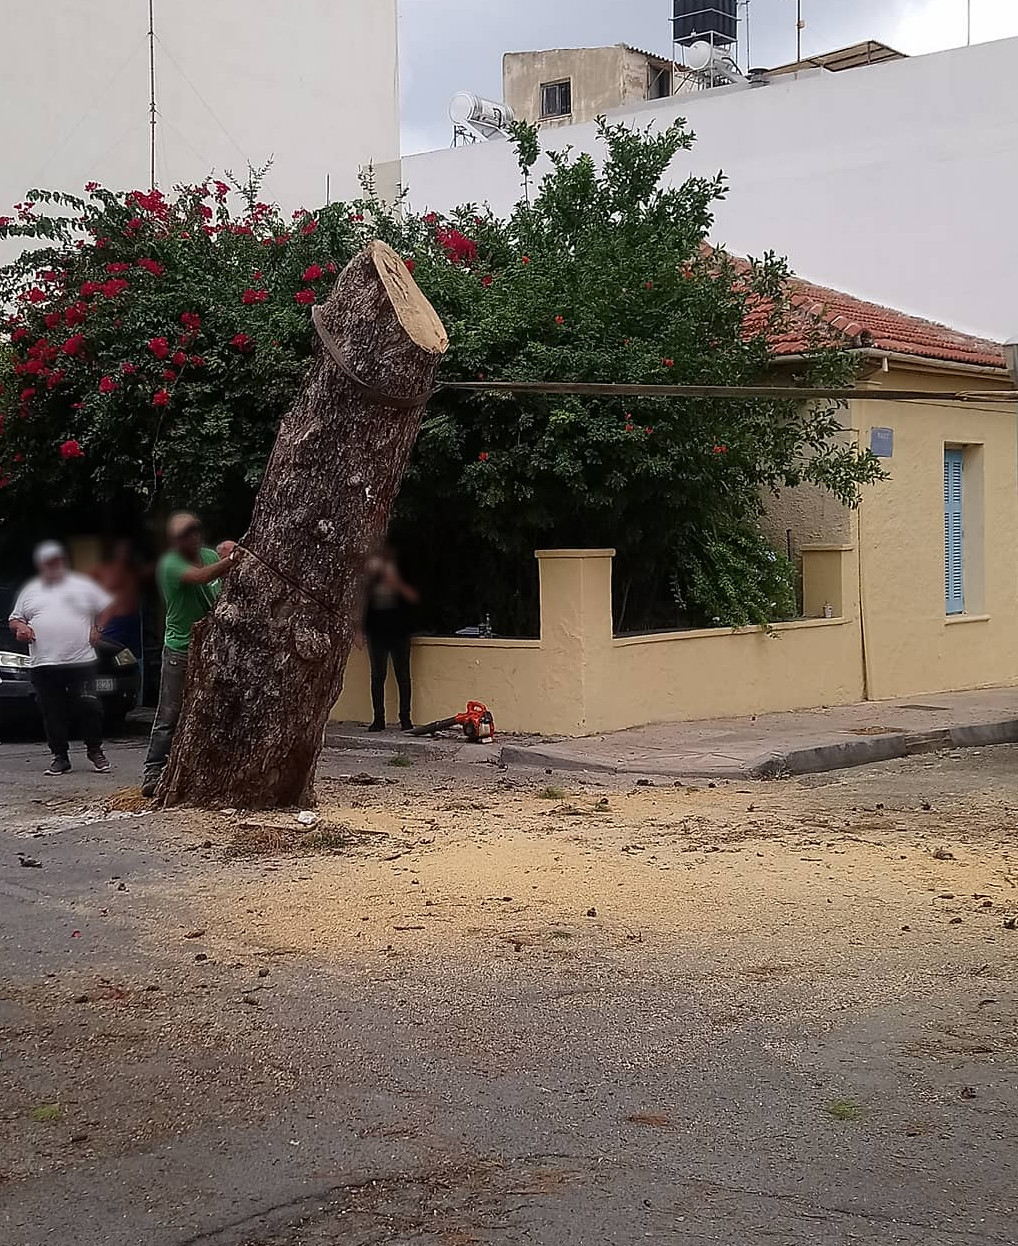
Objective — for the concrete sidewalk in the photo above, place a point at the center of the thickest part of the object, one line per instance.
(801, 742)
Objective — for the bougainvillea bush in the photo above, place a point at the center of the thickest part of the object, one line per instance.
(154, 342)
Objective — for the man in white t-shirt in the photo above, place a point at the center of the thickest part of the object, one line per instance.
(57, 615)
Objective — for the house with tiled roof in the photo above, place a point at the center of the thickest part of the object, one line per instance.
(927, 564)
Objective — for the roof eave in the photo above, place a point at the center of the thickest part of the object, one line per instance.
(913, 362)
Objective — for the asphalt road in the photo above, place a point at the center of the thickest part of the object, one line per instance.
(212, 1093)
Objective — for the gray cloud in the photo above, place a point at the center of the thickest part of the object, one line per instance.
(456, 45)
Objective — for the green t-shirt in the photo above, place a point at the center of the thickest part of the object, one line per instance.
(185, 603)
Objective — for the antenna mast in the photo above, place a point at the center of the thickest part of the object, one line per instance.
(152, 91)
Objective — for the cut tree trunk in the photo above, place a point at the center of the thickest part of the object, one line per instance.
(267, 666)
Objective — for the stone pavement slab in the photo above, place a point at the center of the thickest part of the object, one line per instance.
(799, 742)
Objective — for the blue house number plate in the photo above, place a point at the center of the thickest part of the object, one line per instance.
(882, 442)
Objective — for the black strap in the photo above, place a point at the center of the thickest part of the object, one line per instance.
(368, 392)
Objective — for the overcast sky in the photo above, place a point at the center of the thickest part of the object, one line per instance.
(457, 45)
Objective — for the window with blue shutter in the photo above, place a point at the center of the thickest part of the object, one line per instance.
(954, 570)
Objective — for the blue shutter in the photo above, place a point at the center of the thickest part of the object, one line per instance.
(954, 575)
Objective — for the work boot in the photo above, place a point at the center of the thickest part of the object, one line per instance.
(149, 785)
(98, 759)
(59, 765)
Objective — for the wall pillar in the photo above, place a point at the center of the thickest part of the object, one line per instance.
(576, 632)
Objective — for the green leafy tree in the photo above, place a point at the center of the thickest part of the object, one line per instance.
(157, 340)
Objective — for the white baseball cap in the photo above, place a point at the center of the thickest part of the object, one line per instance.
(47, 551)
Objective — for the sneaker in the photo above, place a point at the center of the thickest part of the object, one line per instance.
(98, 759)
(377, 726)
(59, 765)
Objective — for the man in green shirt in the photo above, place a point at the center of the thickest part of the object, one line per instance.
(189, 574)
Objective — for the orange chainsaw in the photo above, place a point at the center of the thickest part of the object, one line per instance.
(477, 723)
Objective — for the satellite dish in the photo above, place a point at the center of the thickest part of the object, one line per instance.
(481, 117)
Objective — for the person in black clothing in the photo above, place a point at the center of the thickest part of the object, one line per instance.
(387, 630)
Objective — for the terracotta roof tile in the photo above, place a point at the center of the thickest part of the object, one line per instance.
(855, 322)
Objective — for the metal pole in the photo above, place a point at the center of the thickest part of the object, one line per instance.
(152, 90)
(968, 32)
(798, 32)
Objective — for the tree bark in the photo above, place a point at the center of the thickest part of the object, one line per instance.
(267, 666)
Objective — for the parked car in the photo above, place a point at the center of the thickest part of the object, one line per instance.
(117, 683)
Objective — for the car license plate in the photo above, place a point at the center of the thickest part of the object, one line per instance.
(103, 686)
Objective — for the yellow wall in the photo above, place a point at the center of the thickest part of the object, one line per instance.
(912, 646)
(578, 679)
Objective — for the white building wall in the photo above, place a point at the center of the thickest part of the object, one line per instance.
(310, 83)
(897, 182)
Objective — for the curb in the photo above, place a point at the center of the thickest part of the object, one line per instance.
(818, 759)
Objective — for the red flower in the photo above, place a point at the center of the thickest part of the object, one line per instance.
(431, 218)
(314, 273)
(256, 277)
(159, 347)
(28, 394)
(483, 456)
(133, 225)
(410, 265)
(222, 190)
(668, 363)
(487, 280)
(191, 321)
(113, 287)
(179, 359)
(197, 361)
(560, 320)
(52, 319)
(169, 375)
(630, 428)
(118, 267)
(525, 259)
(282, 240)
(648, 285)
(128, 369)
(648, 431)
(19, 334)
(720, 449)
(91, 287)
(458, 248)
(331, 267)
(206, 212)
(90, 186)
(152, 266)
(74, 344)
(71, 450)
(357, 217)
(309, 228)
(54, 378)
(305, 296)
(160, 398)
(253, 296)
(35, 295)
(75, 314)
(107, 385)
(242, 341)
(151, 202)
(102, 243)
(5, 221)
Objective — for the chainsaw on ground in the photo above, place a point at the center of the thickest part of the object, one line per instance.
(477, 723)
